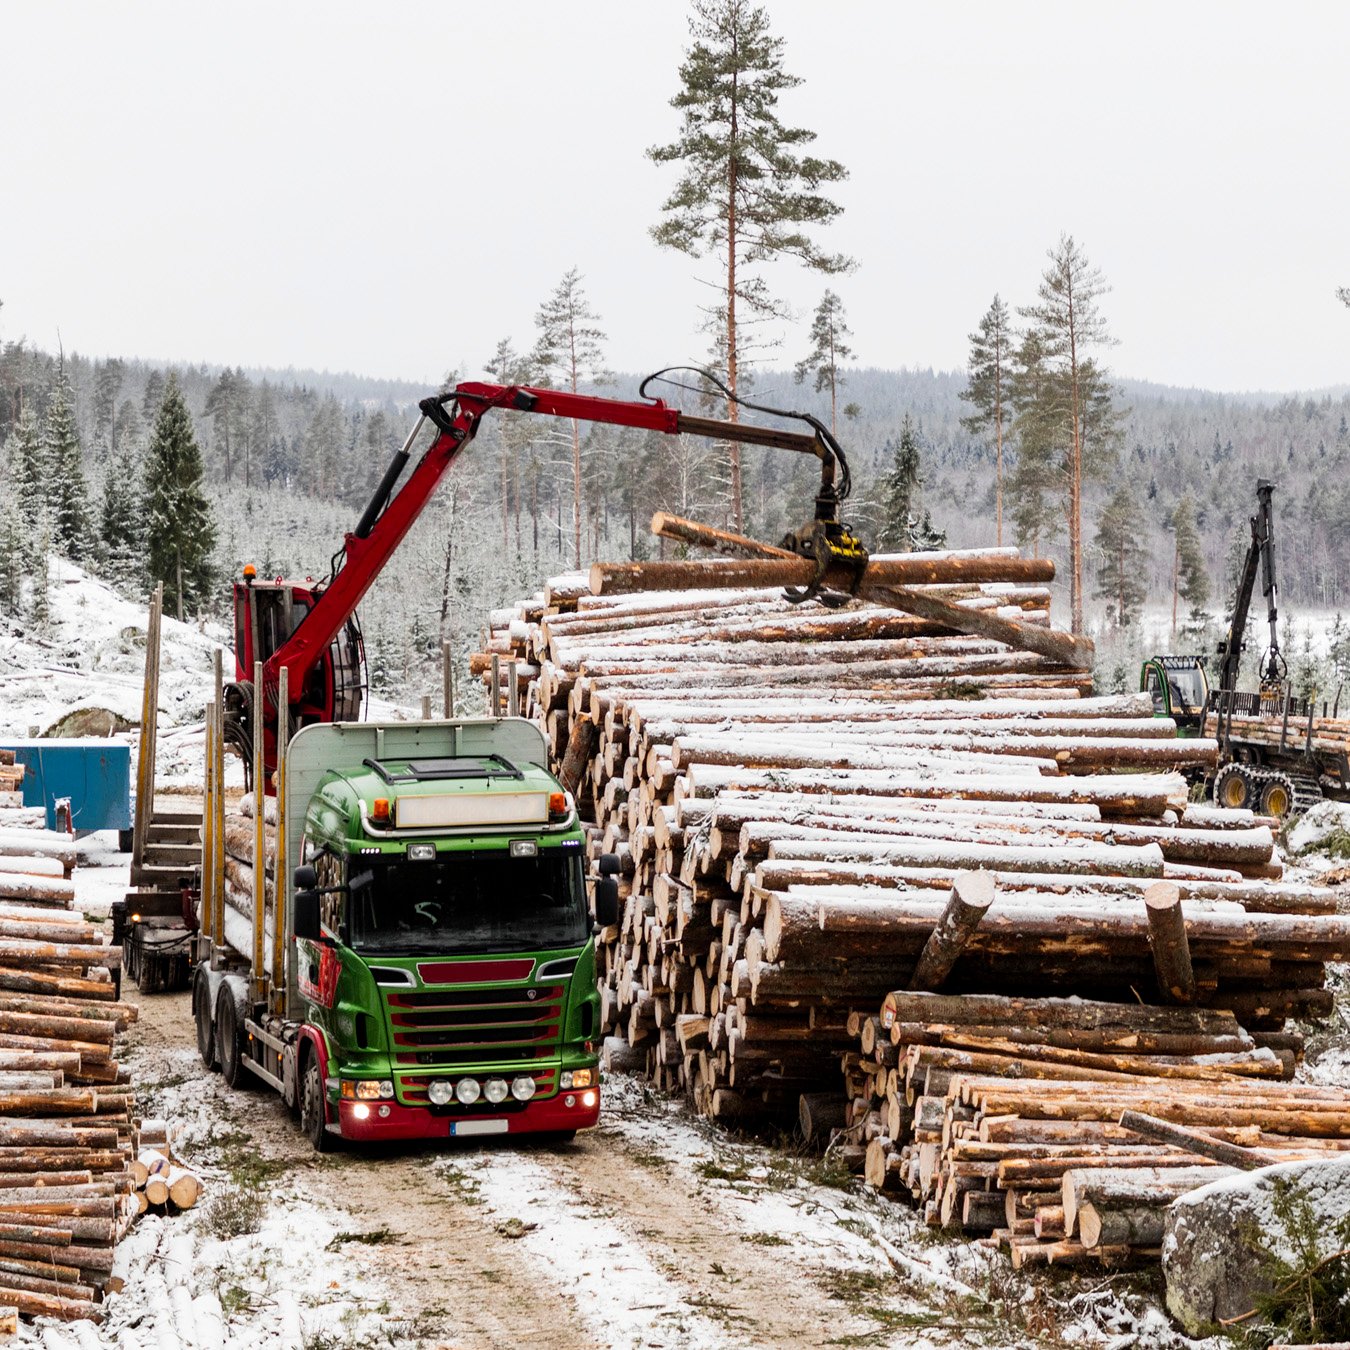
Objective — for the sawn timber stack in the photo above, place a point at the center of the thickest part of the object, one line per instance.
(794, 791)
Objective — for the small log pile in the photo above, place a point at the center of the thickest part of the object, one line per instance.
(796, 794)
(159, 1181)
(67, 1134)
(1063, 1128)
(238, 840)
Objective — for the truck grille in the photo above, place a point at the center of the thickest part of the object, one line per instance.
(413, 1092)
(468, 1027)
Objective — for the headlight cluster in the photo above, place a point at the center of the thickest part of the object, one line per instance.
(367, 1089)
(577, 1078)
(468, 1090)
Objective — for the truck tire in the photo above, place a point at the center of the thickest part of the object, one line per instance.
(313, 1109)
(1277, 796)
(1233, 787)
(201, 1015)
(231, 1040)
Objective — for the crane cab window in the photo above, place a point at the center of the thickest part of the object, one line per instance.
(1153, 686)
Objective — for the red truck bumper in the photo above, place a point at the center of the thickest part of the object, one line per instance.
(381, 1120)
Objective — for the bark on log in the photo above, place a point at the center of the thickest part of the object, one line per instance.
(1167, 937)
(972, 894)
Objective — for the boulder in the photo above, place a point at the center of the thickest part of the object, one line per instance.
(81, 722)
(1219, 1239)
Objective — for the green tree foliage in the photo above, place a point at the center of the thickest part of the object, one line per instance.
(1190, 578)
(568, 352)
(1039, 415)
(829, 346)
(1070, 325)
(122, 520)
(901, 525)
(747, 193)
(13, 556)
(179, 525)
(28, 470)
(1123, 558)
(67, 491)
(108, 378)
(990, 372)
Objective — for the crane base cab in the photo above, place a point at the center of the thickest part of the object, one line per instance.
(437, 971)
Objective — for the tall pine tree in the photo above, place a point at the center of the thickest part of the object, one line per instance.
(179, 526)
(121, 524)
(829, 346)
(28, 470)
(1190, 579)
(900, 493)
(1070, 324)
(990, 371)
(747, 194)
(67, 492)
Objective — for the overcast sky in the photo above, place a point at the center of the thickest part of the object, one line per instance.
(391, 189)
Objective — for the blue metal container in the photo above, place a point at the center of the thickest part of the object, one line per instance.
(95, 774)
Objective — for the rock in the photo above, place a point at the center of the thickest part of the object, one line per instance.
(86, 722)
(1219, 1238)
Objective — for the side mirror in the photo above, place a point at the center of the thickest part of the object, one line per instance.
(609, 865)
(306, 879)
(307, 913)
(607, 902)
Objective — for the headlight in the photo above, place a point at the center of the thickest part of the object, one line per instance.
(367, 1090)
(468, 1091)
(522, 1089)
(440, 1091)
(495, 1090)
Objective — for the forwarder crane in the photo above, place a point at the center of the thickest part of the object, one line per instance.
(310, 628)
(1276, 754)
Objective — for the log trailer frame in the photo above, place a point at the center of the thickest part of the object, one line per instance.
(308, 629)
(424, 967)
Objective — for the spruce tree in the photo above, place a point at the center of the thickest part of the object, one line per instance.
(747, 194)
(67, 494)
(122, 519)
(179, 526)
(990, 371)
(1035, 484)
(1189, 577)
(28, 471)
(900, 492)
(828, 348)
(1124, 560)
(13, 556)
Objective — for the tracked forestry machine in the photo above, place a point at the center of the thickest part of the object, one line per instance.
(1278, 753)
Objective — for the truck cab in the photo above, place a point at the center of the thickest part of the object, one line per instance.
(440, 980)
(1179, 689)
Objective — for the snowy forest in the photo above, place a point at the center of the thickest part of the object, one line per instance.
(288, 459)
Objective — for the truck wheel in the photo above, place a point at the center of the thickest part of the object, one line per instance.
(1233, 788)
(313, 1111)
(1277, 797)
(230, 1041)
(201, 1015)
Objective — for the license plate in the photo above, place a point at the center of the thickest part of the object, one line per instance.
(478, 1127)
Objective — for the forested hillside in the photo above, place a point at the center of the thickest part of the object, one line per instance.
(290, 458)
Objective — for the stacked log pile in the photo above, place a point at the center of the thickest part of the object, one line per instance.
(793, 792)
(160, 1181)
(1063, 1128)
(67, 1135)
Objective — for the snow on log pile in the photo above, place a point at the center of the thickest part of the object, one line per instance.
(813, 808)
(67, 1136)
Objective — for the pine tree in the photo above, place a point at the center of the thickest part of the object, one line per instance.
(1189, 577)
(1124, 559)
(991, 358)
(1035, 484)
(569, 351)
(122, 519)
(1070, 324)
(108, 377)
(13, 556)
(828, 349)
(746, 193)
(178, 517)
(67, 492)
(516, 434)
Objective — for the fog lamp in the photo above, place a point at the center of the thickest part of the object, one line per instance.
(361, 1111)
(496, 1090)
(522, 1089)
(421, 852)
(588, 1099)
(468, 1091)
(440, 1091)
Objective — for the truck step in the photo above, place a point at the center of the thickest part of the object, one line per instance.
(176, 818)
(174, 834)
(159, 876)
(185, 856)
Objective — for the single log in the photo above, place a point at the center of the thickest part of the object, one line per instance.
(1164, 1132)
(819, 1114)
(1122, 1186)
(972, 894)
(1167, 938)
(580, 746)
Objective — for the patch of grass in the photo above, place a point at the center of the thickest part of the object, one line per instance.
(240, 1157)
(649, 1159)
(714, 1171)
(375, 1238)
(1336, 844)
(764, 1239)
(853, 1285)
(234, 1211)
(235, 1299)
(466, 1187)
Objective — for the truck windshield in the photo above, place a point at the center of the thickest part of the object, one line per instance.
(1188, 690)
(486, 901)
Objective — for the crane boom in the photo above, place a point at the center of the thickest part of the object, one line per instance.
(1260, 557)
